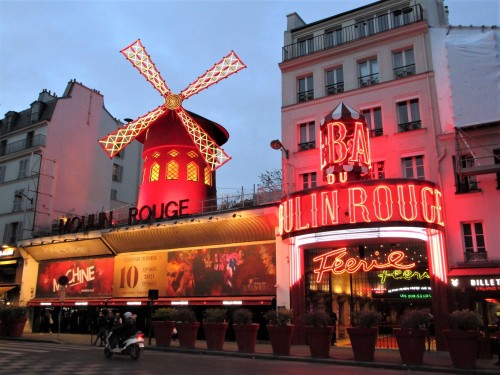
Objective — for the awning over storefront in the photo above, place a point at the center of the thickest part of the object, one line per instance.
(193, 232)
(476, 271)
(64, 249)
(193, 301)
(6, 288)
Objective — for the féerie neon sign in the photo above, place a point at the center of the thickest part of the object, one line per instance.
(337, 263)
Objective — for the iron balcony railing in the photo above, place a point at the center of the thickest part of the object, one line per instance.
(370, 26)
(409, 126)
(24, 144)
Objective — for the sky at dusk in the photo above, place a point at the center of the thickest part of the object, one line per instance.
(45, 44)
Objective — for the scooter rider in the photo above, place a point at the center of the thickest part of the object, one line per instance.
(126, 330)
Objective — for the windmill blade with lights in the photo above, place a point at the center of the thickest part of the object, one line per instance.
(136, 53)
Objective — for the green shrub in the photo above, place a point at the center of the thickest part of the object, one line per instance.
(185, 315)
(12, 312)
(165, 313)
(317, 319)
(242, 316)
(465, 320)
(215, 315)
(414, 319)
(368, 319)
(280, 317)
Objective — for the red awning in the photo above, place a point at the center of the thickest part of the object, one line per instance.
(477, 271)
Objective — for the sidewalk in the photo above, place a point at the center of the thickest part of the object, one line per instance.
(340, 354)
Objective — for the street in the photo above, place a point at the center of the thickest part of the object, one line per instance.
(42, 358)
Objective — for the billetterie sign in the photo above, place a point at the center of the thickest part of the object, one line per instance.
(362, 202)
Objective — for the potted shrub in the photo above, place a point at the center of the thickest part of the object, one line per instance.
(363, 336)
(187, 327)
(244, 330)
(318, 331)
(163, 325)
(13, 319)
(463, 338)
(280, 330)
(410, 336)
(214, 327)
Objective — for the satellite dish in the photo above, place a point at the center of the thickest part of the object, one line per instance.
(63, 280)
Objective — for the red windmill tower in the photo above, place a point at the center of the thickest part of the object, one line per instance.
(181, 149)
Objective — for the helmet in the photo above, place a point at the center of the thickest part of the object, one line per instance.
(127, 315)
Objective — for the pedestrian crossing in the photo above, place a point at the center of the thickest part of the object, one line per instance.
(8, 347)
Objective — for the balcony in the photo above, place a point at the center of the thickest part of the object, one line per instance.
(376, 133)
(404, 71)
(475, 256)
(334, 89)
(371, 25)
(409, 126)
(368, 80)
(25, 144)
(304, 96)
(307, 146)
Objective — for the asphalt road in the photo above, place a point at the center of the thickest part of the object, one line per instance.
(42, 358)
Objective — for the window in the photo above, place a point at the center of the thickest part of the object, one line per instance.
(192, 172)
(117, 172)
(23, 168)
(305, 89)
(368, 72)
(114, 194)
(29, 139)
(413, 167)
(373, 117)
(18, 200)
(333, 38)
(12, 232)
(307, 136)
(365, 28)
(172, 171)
(306, 46)
(154, 174)
(208, 176)
(402, 17)
(474, 244)
(404, 63)
(496, 156)
(408, 115)
(308, 180)
(378, 170)
(465, 184)
(334, 81)
(383, 22)
(3, 168)
(3, 147)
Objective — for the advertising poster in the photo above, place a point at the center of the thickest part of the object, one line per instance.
(137, 273)
(237, 270)
(87, 278)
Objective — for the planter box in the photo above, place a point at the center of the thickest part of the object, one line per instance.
(187, 334)
(463, 347)
(246, 337)
(281, 338)
(319, 340)
(163, 332)
(363, 342)
(411, 344)
(215, 334)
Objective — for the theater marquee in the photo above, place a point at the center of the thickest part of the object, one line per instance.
(362, 202)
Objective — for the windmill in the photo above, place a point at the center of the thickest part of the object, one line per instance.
(181, 149)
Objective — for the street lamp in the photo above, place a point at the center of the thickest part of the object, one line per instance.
(277, 145)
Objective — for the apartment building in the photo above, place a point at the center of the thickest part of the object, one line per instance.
(383, 60)
(51, 167)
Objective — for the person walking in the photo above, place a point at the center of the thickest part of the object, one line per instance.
(333, 317)
(101, 326)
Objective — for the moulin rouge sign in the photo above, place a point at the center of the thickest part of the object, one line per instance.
(349, 197)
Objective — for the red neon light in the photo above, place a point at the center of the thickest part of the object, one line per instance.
(333, 262)
(362, 202)
(343, 147)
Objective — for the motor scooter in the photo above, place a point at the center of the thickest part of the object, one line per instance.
(131, 346)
